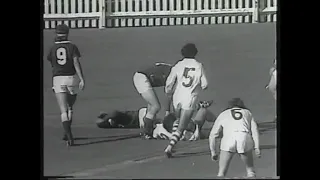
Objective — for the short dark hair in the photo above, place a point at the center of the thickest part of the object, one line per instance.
(189, 50)
(62, 29)
(236, 102)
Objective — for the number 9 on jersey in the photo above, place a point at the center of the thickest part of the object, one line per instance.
(61, 54)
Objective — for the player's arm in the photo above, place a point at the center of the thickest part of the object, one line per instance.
(255, 134)
(167, 103)
(49, 57)
(203, 79)
(273, 81)
(77, 64)
(162, 63)
(78, 67)
(214, 134)
(271, 71)
(171, 80)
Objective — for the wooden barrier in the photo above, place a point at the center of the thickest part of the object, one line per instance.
(139, 13)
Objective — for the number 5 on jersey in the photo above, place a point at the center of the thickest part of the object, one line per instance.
(61, 55)
(187, 78)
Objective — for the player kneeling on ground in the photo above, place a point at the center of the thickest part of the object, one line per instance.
(239, 135)
(134, 119)
(67, 77)
(144, 81)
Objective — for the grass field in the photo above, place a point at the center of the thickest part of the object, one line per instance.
(236, 57)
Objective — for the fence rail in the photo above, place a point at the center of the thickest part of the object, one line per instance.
(128, 13)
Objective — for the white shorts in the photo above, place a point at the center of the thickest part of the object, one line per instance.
(186, 102)
(237, 142)
(67, 84)
(141, 82)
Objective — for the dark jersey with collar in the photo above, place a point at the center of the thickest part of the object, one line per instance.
(121, 119)
(128, 119)
(157, 74)
(61, 57)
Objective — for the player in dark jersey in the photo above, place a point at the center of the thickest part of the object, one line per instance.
(68, 77)
(144, 81)
(119, 119)
(162, 128)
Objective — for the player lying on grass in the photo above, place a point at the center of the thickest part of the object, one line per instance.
(239, 135)
(272, 85)
(68, 77)
(162, 128)
(144, 81)
(185, 81)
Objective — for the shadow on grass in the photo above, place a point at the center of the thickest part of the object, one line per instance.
(58, 177)
(207, 152)
(105, 139)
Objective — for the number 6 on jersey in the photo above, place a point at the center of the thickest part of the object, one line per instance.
(236, 114)
(61, 54)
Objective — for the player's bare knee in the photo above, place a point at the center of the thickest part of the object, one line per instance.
(155, 108)
(64, 117)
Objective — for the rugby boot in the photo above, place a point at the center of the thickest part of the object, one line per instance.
(70, 140)
(168, 153)
(205, 104)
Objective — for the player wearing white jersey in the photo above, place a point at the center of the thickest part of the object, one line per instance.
(188, 78)
(272, 85)
(239, 135)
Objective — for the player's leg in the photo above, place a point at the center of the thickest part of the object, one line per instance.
(71, 101)
(184, 120)
(153, 108)
(224, 162)
(73, 88)
(275, 98)
(244, 148)
(144, 88)
(177, 112)
(168, 121)
(247, 158)
(60, 88)
(199, 120)
(63, 105)
(72, 83)
(175, 125)
(142, 113)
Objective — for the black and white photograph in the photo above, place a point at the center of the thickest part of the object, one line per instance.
(160, 89)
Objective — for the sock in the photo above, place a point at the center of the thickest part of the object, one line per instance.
(66, 124)
(70, 113)
(175, 125)
(174, 140)
(148, 126)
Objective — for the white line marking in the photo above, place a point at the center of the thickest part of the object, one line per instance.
(125, 164)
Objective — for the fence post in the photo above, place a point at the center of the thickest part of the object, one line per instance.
(109, 12)
(256, 11)
(262, 6)
(102, 10)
